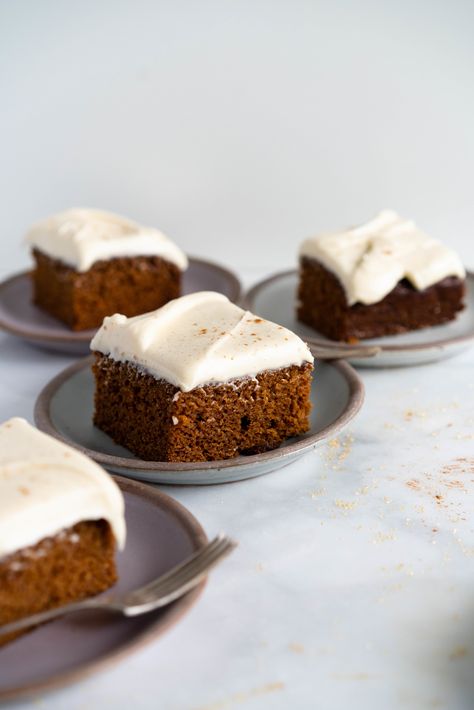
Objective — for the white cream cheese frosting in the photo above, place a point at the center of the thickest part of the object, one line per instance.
(46, 487)
(80, 237)
(200, 339)
(371, 259)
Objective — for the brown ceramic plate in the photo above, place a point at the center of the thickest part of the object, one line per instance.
(274, 298)
(19, 316)
(64, 409)
(78, 645)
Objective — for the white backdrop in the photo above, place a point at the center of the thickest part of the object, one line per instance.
(238, 127)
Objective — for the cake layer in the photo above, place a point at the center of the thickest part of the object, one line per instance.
(76, 563)
(46, 486)
(129, 285)
(81, 237)
(199, 339)
(158, 422)
(371, 259)
(322, 305)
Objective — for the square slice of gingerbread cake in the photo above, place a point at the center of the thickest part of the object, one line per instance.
(90, 264)
(61, 519)
(381, 278)
(199, 380)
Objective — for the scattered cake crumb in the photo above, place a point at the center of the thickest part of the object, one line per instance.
(296, 647)
(457, 653)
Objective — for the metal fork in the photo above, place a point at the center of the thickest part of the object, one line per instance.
(334, 352)
(158, 593)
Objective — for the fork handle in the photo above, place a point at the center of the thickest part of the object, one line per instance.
(333, 352)
(43, 616)
(164, 590)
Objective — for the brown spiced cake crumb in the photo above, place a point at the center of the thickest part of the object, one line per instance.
(211, 422)
(404, 308)
(75, 521)
(76, 563)
(90, 264)
(383, 278)
(200, 380)
(129, 285)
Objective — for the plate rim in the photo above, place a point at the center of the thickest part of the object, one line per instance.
(248, 301)
(44, 422)
(155, 629)
(84, 336)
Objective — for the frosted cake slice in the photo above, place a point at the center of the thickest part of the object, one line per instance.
(61, 519)
(381, 278)
(90, 264)
(200, 379)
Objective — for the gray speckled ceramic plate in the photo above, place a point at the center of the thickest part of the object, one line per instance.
(64, 410)
(274, 299)
(78, 645)
(19, 316)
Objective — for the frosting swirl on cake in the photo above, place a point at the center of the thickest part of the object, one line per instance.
(80, 237)
(371, 259)
(46, 487)
(200, 339)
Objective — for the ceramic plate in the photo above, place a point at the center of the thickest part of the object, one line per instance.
(64, 410)
(19, 316)
(71, 648)
(274, 299)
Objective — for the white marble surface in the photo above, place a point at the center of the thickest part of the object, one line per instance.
(353, 582)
